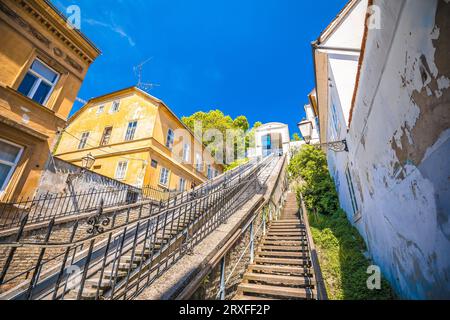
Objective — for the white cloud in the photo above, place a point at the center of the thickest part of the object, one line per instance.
(113, 27)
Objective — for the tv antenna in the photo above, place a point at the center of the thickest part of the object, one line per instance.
(138, 72)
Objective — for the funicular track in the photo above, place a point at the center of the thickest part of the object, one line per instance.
(117, 256)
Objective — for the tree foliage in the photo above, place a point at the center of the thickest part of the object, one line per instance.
(318, 188)
(296, 137)
(217, 120)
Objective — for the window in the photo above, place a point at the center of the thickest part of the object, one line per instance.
(198, 162)
(131, 130)
(209, 172)
(100, 109)
(39, 82)
(216, 173)
(164, 177)
(336, 124)
(115, 106)
(83, 140)
(121, 170)
(182, 185)
(186, 153)
(10, 154)
(106, 136)
(351, 190)
(170, 139)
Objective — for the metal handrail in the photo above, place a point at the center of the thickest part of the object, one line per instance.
(214, 202)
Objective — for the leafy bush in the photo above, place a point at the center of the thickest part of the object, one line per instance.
(318, 189)
(340, 247)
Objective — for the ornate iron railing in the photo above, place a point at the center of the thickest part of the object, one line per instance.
(115, 255)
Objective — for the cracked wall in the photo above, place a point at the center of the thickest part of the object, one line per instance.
(400, 147)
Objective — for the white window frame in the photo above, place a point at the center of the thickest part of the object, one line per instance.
(170, 134)
(88, 133)
(134, 132)
(115, 109)
(165, 184)
(209, 172)
(39, 81)
(103, 136)
(351, 190)
(182, 186)
(12, 164)
(124, 175)
(186, 153)
(198, 162)
(101, 109)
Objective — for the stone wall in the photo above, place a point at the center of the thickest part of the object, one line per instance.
(54, 179)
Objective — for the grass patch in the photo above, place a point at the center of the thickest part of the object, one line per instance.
(341, 253)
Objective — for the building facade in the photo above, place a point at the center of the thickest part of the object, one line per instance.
(386, 91)
(43, 62)
(135, 138)
(271, 138)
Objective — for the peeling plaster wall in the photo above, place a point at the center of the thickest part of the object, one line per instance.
(400, 147)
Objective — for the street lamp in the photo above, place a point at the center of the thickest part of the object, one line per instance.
(306, 129)
(86, 164)
(87, 161)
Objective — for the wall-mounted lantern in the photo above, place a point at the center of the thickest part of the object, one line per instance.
(86, 164)
(306, 128)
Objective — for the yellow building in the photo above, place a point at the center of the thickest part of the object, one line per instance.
(136, 138)
(42, 65)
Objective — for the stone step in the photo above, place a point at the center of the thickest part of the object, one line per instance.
(282, 248)
(304, 255)
(297, 243)
(95, 283)
(125, 266)
(279, 279)
(286, 221)
(299, 293)
(109, 274)
(251, 298)
(285, 233)
(285, 238)
(292, 229)
(283, 261)
(280, 269)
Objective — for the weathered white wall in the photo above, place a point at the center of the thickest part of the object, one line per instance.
(348, 33)
(310, 115)
(400, 147)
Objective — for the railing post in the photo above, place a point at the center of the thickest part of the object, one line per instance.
(222, 279)
(264, 223)
(252, 243)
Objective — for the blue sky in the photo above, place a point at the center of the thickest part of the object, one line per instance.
(244, 57)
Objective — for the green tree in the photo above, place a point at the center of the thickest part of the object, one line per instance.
(216, 119)
(296, 137)
(241, 122)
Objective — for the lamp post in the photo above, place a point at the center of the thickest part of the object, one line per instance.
(306, 128)
(86, 164)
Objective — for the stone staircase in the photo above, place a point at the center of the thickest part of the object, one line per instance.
(282, 268)
(101, 282)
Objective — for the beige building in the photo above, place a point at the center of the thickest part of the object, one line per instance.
(136, 138)
(42, 65)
